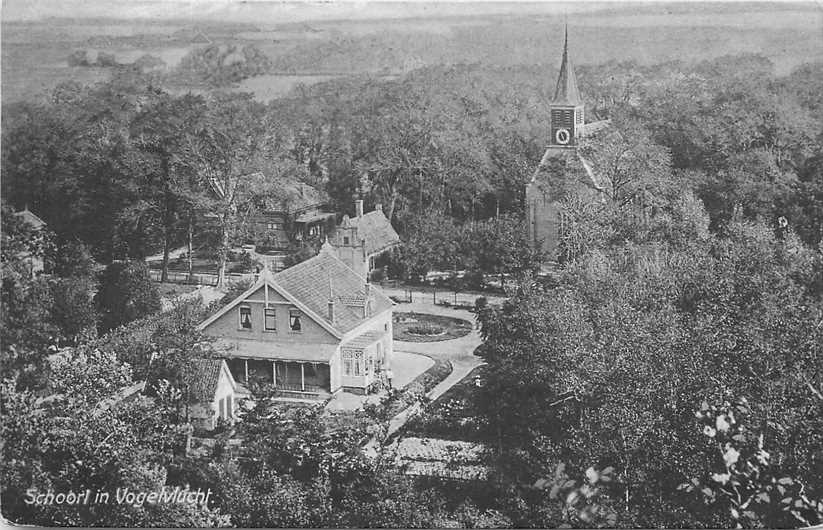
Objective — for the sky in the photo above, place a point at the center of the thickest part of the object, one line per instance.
(287, 11)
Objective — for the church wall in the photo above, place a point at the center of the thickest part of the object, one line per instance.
(544, 221)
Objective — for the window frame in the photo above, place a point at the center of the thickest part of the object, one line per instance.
(295, 315)
(359, 364)
(273, 310)
(348, 363)
(241, 310)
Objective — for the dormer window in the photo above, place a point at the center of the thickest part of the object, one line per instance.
(245, 317)
(294, 321)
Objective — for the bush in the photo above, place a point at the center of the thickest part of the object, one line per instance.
(299, 256)
(126, 293)
(236, 289)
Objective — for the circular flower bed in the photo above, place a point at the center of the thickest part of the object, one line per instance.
(425, 328)
(419, 327)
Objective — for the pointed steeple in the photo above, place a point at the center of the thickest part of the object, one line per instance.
(566, 92)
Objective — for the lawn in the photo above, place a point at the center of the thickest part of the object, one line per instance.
(419, 327)
(453, 415)
(173, 290)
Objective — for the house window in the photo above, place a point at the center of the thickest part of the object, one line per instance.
(294, 320)
(345, 240)
(229, 409)
(270, 226)
(270, 319)
(353, 363)
(245, 317)
(348, 362)
(358, 363)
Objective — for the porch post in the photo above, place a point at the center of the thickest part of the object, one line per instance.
(302, 377)
(246, 366)
(274, 373)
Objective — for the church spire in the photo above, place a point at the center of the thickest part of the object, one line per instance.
(566, 92)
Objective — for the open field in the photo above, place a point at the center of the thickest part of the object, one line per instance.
(34, 52)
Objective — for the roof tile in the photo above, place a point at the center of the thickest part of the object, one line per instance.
(311, 281)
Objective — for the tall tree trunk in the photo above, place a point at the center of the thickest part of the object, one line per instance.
(168, 220)
(190, 247)
(164, 273)
(223, 254)
(392, 205)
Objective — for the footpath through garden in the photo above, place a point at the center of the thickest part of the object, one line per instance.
(459, 352)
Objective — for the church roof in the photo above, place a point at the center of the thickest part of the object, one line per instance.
(577, 165)
(594, 127)
(566, 92)
(375, 229)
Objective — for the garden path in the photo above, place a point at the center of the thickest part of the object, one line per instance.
(460, 352)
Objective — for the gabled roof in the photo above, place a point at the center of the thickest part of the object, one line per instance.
(202, 377)
(312, 280)
(29, 218)
(575, 171)
(293, 196)
(363, 340)
(310, 284)
(290, 196)
(375, 229)
(566, 92)
(594, 127)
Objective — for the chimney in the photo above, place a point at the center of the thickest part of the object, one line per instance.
(378, 207)
(358, 207)
(330, 315)
(367, 301)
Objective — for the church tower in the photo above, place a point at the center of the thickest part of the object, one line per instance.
(562, 169)
(566, 108)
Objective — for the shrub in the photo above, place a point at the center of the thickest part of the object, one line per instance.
(126, 293)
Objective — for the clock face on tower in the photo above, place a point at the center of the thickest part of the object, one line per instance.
(562, 126)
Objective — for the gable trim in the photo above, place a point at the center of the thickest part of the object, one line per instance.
(228, 307)
(263, 282)
(224, 367)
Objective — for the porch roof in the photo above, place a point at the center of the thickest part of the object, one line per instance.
(361, 341)
(257, 349)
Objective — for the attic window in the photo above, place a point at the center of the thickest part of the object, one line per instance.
(245, 317)
(271, 319)
(294, 320)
